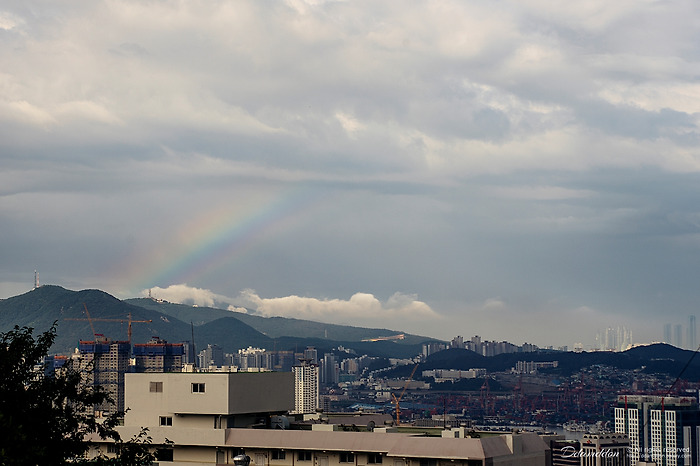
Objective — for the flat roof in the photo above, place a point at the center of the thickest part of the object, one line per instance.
(392, 444)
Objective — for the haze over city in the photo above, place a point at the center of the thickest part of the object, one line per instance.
(441, 168)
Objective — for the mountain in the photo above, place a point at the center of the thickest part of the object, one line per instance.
(49, 304)
(275, 327)
(656, 359)
(46, 305)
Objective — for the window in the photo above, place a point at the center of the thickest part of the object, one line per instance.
(304, 456)
(166, 420)
(374, 458)
(197, 388)
(156, 387)
(278, 455)
(112, 448)
(347, 457)
(164, 454)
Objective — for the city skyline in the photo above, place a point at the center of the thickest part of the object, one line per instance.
(499, 168)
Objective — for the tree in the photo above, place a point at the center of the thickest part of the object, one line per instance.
(44, 417)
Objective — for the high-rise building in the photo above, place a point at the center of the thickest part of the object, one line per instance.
(457, 342)
(158, 356)
(330, 370)
(188, 356)
(311, 354)
(213, 355)
(667, 334)
(665, 430)
(105, 362)
(678, 336)
(692, 341)
(306, 387)
(283, 361)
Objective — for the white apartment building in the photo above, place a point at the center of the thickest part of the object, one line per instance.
(306, 387)
(663, 430)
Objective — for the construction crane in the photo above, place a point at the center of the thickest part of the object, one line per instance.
(91, 320)
(397, 400)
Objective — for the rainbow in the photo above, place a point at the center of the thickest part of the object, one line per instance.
(212, 240)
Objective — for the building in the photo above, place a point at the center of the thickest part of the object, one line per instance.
(665, 430)
(212, 417)
(605, 450)
(330, 370)
(105, 362)
(158, 356)
(306, 387)
(212, 355)
(565, 452)
(692, 340)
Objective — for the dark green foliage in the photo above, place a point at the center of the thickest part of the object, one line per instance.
(42, 418)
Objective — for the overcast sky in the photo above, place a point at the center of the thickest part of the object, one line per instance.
(522, 170)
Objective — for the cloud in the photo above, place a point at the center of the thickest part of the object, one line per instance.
(360, 307)
(185, 294)
(364, 307)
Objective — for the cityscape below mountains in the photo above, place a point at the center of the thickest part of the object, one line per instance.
(403, 380)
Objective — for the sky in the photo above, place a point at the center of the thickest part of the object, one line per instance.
(521, 170)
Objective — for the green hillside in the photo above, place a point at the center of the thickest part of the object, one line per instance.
(275, 327)
(46, 305)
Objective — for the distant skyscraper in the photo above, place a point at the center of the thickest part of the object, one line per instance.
(213, 355)
(678, 335)
(667, 334)
(312, 354)
(329, 370)
(692, 341)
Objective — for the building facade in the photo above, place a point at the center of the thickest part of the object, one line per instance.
(105, 363)
(158, 356)
(306, 387)
(664, 430)
(604, 450)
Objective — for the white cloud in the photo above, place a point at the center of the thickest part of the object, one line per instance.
(363, 307)
(185, 294)
(360, 307)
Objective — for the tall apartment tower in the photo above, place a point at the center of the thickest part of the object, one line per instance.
(104, 363)
(667, 334)
(158, 356)
(306, 387)
(330, 370)
(692, 341)
(664, 430)
(678, 336)
(212, 355)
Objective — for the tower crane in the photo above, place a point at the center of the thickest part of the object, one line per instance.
(397, 400)
(91, 320)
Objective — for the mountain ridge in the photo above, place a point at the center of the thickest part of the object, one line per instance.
(49, 305)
